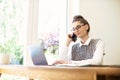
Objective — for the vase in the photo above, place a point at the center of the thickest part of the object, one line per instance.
(4, 59)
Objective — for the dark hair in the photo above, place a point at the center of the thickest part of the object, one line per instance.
(82, 20)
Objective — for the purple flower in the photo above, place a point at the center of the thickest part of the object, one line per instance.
(50, 40)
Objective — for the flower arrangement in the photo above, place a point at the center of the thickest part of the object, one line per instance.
(50, 42)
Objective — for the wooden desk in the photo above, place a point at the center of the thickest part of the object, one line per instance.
(60, 73)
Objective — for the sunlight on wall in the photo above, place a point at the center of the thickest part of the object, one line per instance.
(104, 18)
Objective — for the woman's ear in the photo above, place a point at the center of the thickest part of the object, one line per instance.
(86, 27)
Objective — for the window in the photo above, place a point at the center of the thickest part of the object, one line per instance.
(52, 24)
(13, 21)
(48, 22)
(28, 20)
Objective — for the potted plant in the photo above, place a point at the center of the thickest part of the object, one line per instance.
(16, 51)
(17, 55)
(4, 54)
(11, 52)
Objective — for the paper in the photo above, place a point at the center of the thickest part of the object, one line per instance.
(73, 65)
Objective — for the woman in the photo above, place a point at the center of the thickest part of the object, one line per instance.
(85, 50)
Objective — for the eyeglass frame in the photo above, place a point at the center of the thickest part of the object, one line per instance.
(77, 28)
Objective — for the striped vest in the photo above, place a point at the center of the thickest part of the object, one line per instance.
(85, 51)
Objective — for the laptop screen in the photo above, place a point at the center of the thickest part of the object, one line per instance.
(37, 55)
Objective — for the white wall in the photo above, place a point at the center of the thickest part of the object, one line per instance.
(104, 19)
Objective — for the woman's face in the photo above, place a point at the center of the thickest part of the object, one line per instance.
(80, 30)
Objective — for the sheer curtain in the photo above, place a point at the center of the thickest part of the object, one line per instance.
(31, 37)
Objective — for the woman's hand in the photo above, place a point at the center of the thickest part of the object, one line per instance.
(69, 39)
(60, 62)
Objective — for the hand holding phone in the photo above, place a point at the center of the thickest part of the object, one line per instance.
(71, 37)
(74, 37)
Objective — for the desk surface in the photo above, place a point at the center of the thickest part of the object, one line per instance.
(56, 71)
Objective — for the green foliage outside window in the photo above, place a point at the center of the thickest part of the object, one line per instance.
(10, 25)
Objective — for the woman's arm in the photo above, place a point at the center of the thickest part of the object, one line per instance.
(66, 49)
(65, 53)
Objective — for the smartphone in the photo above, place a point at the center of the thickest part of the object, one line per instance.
(74, 37)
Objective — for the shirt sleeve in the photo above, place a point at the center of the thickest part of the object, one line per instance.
(65, 53)
(97, 57)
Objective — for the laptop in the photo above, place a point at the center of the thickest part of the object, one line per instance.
(37, 55)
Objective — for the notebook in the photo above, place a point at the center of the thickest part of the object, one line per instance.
(37, 55)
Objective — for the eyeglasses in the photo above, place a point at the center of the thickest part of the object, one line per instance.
(77, 28)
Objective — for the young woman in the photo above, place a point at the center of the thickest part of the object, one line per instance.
(85, 50)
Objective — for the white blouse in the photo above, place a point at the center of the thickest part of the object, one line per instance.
(97, 56)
